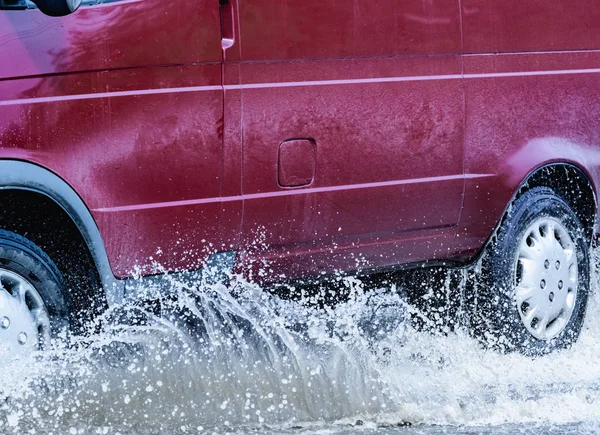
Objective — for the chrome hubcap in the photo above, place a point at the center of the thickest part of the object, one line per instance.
(546, 278)
(24, 320)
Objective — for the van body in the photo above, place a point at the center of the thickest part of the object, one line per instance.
(307, 137)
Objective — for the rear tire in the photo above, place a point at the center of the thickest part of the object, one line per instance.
(35, 308)
(533, 292)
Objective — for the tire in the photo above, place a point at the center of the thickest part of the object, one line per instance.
(31, 283)
(533, 292)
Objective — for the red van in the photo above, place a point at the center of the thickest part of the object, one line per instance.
(294, 139)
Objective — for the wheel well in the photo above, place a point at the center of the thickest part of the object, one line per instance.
(573, 185)
(41, 220)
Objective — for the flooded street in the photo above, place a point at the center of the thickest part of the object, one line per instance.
(241, 360)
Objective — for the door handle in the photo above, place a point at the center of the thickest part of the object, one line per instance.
(227, 24)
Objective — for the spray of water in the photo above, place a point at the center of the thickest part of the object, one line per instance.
(237, 358)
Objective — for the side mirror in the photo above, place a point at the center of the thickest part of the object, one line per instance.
(57, 8)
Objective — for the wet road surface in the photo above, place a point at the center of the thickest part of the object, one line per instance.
(212, 362)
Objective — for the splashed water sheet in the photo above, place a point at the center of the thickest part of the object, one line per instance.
(238, 359)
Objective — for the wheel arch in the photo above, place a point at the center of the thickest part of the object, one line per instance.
(568, 178)
(572, 183)
(22, 176)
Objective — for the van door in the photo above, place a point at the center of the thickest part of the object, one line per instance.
(352, 130)
(124, 100)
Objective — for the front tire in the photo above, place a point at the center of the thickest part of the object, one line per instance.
(35, 309)
(535, 278)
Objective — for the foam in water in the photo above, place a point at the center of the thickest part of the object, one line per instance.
(240, 359)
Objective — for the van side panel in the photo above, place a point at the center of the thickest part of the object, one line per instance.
(125, 102)
(377, 88)
(532, 80)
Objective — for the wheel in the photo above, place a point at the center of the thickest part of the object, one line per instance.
(536, 277)
(34, 307)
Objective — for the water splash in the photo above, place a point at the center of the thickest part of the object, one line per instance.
(241, 359)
